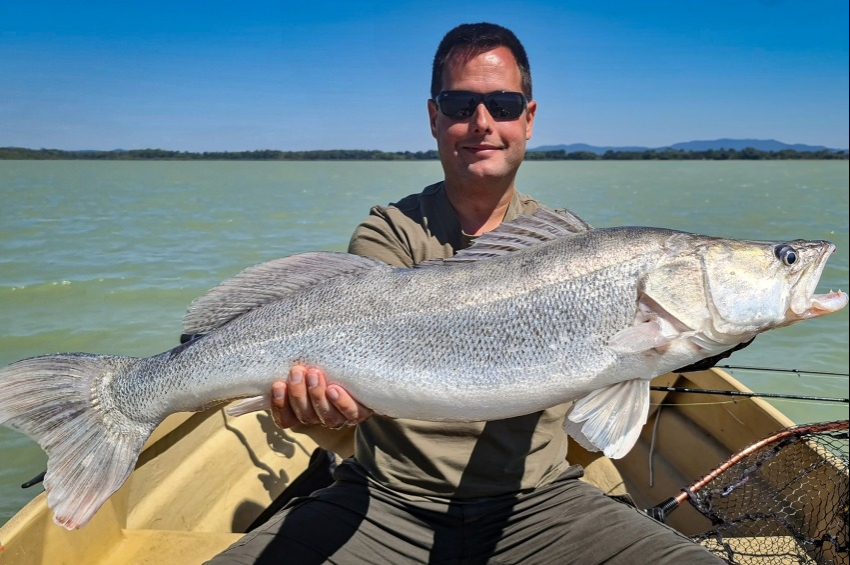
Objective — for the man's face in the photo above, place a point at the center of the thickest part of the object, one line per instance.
(480, 147)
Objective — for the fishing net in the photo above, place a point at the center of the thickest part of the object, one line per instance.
(782, 500)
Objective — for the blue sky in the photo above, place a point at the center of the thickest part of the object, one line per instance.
(219, 76)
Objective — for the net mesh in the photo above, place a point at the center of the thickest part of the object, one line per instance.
(783, 500)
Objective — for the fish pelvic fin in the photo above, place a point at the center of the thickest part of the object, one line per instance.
(610, 419)
(63, 403)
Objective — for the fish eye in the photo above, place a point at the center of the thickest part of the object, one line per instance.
(786, 254)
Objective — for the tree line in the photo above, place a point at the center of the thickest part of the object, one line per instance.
(10, 153)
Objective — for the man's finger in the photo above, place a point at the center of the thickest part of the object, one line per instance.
(351, 410)
(282, 413)
(317, 388)
(299, 398)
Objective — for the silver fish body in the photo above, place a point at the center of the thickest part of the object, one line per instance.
(539, 312)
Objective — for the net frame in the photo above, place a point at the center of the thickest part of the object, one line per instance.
(783, 499)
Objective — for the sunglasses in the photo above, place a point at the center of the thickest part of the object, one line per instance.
(461, 104)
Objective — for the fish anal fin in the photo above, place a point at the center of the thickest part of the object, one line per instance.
(610, 419)
(248, 405)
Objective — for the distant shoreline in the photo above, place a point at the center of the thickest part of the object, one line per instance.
(750, 154)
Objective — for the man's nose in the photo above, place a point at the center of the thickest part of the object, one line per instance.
(482, 118)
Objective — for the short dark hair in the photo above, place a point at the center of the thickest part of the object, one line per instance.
(470, 40)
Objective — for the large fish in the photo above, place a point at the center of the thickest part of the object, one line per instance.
(539, 312)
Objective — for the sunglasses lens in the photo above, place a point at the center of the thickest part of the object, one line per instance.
(506, 105)
(460, 104)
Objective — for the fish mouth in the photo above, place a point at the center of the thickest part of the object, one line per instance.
(805, 304)
(823, 304)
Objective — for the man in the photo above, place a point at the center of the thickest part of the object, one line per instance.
(480, 492)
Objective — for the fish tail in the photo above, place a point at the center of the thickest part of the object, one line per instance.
(64, 402)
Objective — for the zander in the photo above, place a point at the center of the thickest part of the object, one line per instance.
(541, 311)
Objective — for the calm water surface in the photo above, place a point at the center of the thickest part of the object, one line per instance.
(104, 257)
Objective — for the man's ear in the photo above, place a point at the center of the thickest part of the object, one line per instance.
(530, 112)
(433, 112)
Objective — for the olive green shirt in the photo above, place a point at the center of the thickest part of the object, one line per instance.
(440, 459)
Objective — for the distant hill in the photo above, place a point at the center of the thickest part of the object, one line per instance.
(736, 144)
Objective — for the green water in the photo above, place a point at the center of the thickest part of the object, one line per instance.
(104, 257)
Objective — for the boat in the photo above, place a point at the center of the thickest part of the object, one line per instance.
(204, 479)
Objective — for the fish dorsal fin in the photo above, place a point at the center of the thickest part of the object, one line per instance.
(523, 232)
(265, 283)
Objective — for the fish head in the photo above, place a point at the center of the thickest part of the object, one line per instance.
(731, 290)
(770, 284)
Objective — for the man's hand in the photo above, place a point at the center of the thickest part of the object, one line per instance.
(306, 398)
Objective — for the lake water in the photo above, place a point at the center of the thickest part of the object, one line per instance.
(104, 257)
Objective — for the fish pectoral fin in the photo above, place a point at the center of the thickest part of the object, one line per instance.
(248, 405)
(641, 337)
(610, 419)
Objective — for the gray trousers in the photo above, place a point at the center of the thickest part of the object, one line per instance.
(569, 521)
